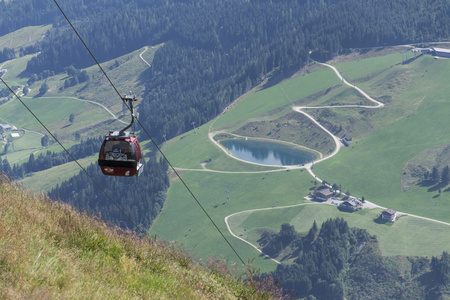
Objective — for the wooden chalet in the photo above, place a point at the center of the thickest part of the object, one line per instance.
(323, 194)
(389, 214)
(350, 205)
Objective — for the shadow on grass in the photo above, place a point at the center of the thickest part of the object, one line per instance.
(432, 186)
(345, 210)
(380, 220)
(426, 183)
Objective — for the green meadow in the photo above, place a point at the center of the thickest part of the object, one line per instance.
(58, 103)
(394, 239)
(373, 167)
(183, 221)
(384, 139)
(46, 180)
(24, 37)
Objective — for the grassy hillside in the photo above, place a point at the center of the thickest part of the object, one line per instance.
(24, 37)
(384, 141)
(407, 236)
(58, 103)
(412, 122)
(48, 251)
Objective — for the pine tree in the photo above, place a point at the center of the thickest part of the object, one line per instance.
(44, 141)
(435, 176)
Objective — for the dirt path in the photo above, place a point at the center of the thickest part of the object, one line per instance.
(140, 55)
(260, 209)
(300, 109)
(309, 167)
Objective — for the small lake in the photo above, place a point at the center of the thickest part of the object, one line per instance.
(267, 153)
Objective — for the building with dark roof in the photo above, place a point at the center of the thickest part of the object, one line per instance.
(323, 194)
(389, 214)
(350, 205)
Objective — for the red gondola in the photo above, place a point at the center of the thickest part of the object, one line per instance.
(120, 154)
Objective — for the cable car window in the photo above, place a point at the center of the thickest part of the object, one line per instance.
(118, 150)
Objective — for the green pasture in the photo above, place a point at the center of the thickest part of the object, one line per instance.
(362, 70)
(48, 110)
(21, 147)
(390, 85)
(373, 167)
(27, 140)
(182, 219)
(270, 101)
(24, 37)
(54, 107)
(125, 72)
(15, 67)
(407, 236)
(46, 180)
(412, 121)
(342, 95)
(18, 156)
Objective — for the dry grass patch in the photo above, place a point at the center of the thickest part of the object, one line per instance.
(49, 250)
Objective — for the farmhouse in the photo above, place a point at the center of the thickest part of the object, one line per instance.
(440, 52)
(389, 214)
(6, 127)
(323, 194)
(350, 205)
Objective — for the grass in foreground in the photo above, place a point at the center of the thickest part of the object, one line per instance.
(49, 250)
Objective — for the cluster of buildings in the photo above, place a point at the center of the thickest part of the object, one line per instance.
(437, 52)
(5, 128)
(351, 204)
(325, 194)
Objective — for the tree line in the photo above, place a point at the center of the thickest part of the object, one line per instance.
(141, 198)
(50, 159)
(437, 176)
(336, 261)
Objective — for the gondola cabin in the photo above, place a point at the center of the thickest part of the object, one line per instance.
(120, 155)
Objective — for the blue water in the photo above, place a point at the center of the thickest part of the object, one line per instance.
(267, 153)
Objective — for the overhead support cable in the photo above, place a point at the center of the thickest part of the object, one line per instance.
(152, 140)
(74, 159)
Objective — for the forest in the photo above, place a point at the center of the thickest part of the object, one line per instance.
(141, 198)
(339, 262)
(215, 51)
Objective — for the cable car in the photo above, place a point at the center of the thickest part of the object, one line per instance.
(120, 153)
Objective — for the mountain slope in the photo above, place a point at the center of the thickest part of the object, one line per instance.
(49, 250)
